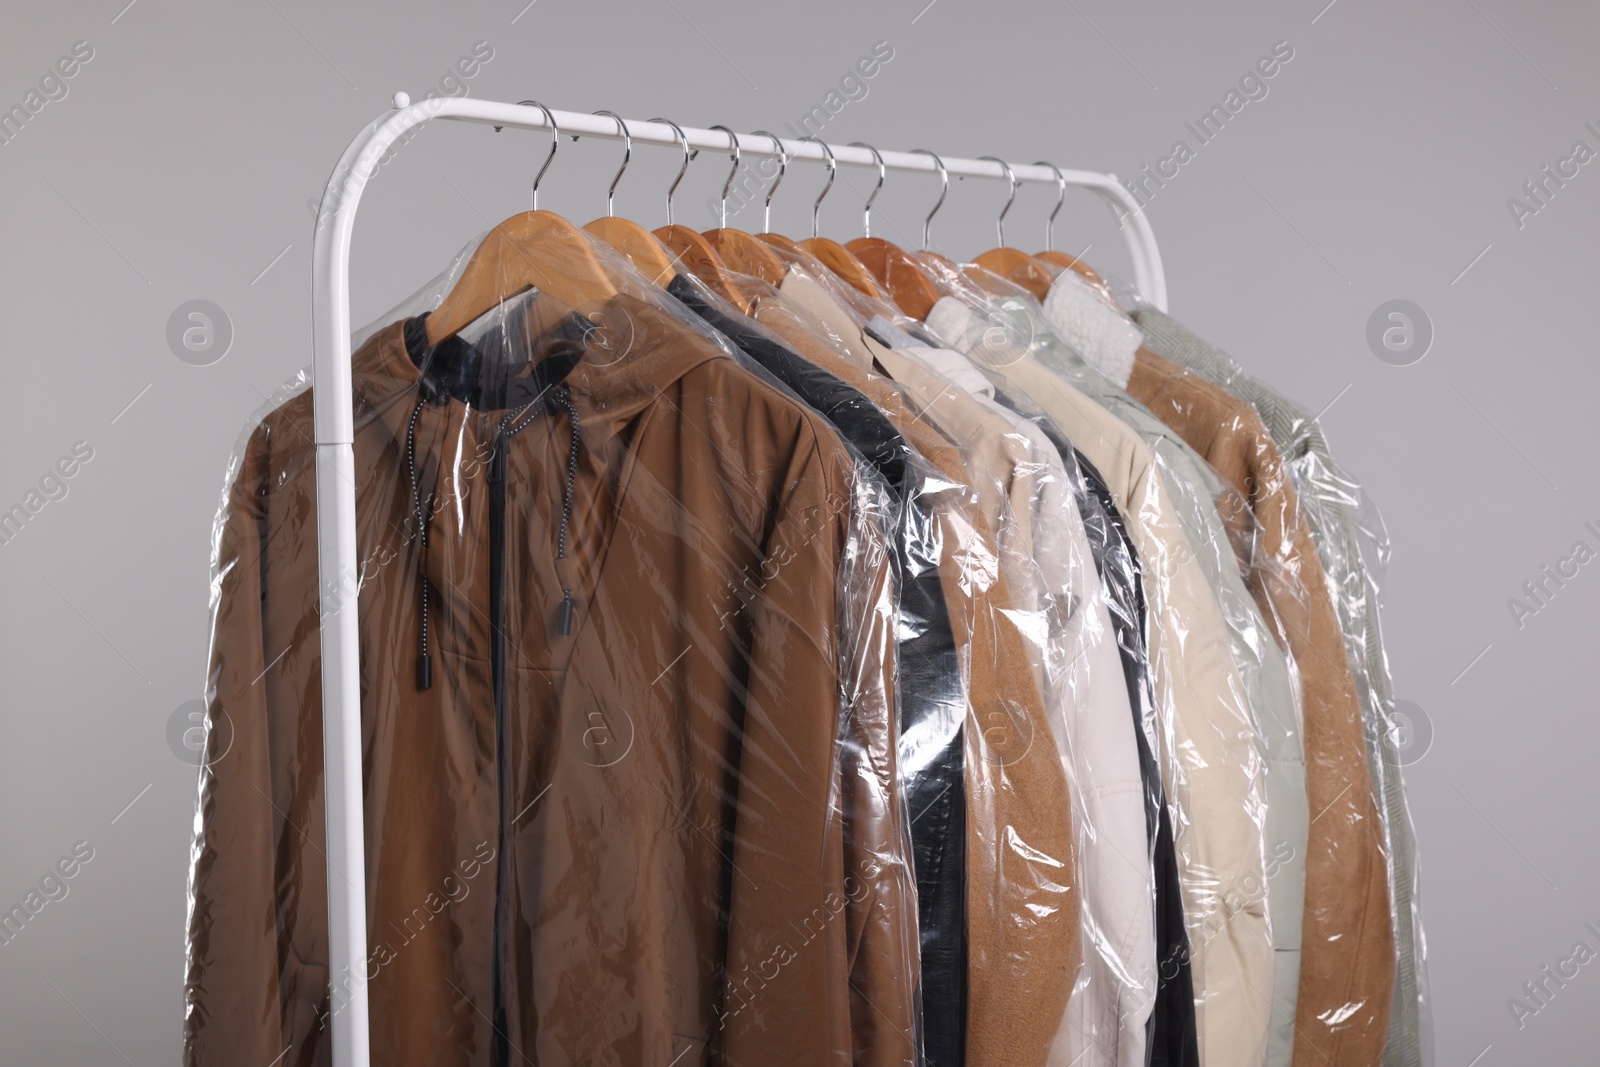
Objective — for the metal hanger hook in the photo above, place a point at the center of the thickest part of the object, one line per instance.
(944, 176)
(783, 168)
(555, 143)
(1061, 195)
(866, 210)
(688, 154)
(1000, 223)
(833, 169)
(733, 140)
(627, 155)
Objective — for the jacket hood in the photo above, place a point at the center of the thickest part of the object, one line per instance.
(627, 353)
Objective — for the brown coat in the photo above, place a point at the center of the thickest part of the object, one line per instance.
(1347, 963)
(1023, 904)
(705, 855)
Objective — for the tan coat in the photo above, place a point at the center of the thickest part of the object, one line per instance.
(704, 853)
(1347, 963)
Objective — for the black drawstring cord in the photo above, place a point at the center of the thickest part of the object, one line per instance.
(424, 664)
(509, 427)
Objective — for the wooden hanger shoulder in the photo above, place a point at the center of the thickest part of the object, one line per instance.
(1061, 259)
(837, 258)
(743, 254)
(533, 250)
(1018, 268)
(700, 259)
(637, 245)
(898, 273)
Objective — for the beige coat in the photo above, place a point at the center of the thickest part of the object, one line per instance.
(1212, 759)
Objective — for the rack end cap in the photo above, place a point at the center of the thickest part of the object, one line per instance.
(401, 99)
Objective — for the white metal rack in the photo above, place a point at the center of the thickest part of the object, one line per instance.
(335, 437)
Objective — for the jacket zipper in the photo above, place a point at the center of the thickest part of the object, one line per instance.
(497, 619)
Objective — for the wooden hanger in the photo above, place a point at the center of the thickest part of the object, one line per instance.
(1061, 259)
(1018, 268)
(893, 267)
(810, 254)
(1007, 266)
(739, 251)
(691, 250)
(533, 250)
(791, 253)
(1014, 266)
(637, 245)
(699, 258)
(898, 273)
(744, 254)
(1049, 256)
(832, 254)
(837, 258)
(787, 248)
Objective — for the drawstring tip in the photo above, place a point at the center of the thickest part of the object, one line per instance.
(424, 672)
(564, 616)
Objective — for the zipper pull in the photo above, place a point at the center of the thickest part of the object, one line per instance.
(424, 672)
(497, 462)
(564, 614)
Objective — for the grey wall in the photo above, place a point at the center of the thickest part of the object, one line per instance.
(1378, 167)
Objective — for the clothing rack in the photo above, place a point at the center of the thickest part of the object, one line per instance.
(335, 437)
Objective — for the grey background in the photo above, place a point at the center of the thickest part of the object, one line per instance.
(1378, 167)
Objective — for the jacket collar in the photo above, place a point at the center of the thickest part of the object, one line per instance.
(616, 363)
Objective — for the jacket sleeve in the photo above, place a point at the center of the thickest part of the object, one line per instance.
(821, 952)
(1347, 971)
(880, 884)
(232, 1009)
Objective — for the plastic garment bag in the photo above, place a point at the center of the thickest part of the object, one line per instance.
(1231, 548)
(1348, 950)
(1024, 912)
(1347, 971)
(1084, 686)
(1096, 731)
(931, 686)
(628, 712)
(1172, 1041)
(1353, 548)
(1348, 960)
(1213, 752)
